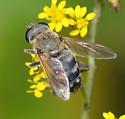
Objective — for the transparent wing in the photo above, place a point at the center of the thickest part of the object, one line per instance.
(56, 75)
(83, 49)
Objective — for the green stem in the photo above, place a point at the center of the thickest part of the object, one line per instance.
(86, 108)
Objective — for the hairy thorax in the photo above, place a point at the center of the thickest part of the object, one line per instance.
(47, 42)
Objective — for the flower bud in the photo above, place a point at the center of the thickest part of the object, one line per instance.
(115, 4)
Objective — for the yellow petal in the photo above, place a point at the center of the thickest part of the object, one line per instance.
(65, 22)
(42, 15)
(71, 22)
(70, 11)
(33, 70)
(28, 64)
(108, 115)
(38, 94)
(33, 55)
(62, 4)
(58, 27)
(54, 2)
(52, 25)
(36, 59)
(83, 32)
(43, 75)
(83, 11)
(37, 77)
(78, 11)
(30, 81)
(40, 86)
(74, 33)
(33, 86)
(29, 91)
(90, 16)
(122, 117)
(46, 8)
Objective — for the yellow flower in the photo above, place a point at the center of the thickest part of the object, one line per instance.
(38, 80)
(37, 88)
(82, 20)
(39, 76)
(122, 117)
(110, 115)
(38, 94)
(56, 16)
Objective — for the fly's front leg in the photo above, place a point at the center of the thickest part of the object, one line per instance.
(84, 67)
(35, 64)
(30, 51)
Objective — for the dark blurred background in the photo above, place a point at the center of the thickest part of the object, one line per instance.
(109, 85)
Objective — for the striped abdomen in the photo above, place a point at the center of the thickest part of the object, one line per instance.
(72, 70)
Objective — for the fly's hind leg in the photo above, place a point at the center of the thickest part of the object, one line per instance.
(84, 67)
(30, 51)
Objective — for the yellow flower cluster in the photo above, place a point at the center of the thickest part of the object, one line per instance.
(110, 115)
(59, 16)
(39, 82)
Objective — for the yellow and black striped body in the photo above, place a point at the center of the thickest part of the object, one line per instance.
(72, 70)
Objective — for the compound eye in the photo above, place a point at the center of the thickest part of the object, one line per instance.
(27, 34)
(34, 29)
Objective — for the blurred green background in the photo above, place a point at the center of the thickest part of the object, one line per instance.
(109, 86)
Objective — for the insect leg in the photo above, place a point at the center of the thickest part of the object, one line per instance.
(84, 67)
(30, 51)
(35, 64)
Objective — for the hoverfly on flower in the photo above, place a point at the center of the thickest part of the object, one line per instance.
(55, 54)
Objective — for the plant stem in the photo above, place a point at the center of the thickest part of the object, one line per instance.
(85, 114)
